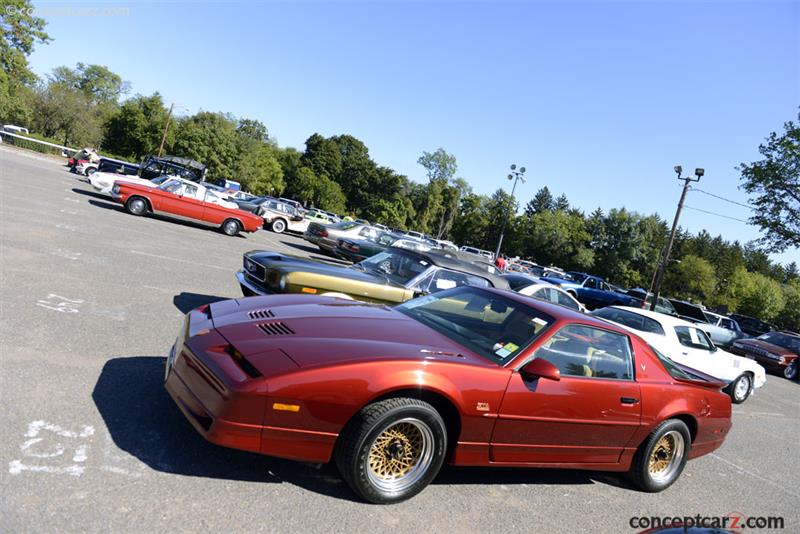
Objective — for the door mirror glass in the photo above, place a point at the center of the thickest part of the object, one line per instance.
(540, 368)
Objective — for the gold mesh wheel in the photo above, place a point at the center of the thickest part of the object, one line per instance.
(666, 456)
(400, 455)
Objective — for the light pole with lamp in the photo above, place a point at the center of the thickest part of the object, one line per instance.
(515, 175)
(166, 126)
(662, 266)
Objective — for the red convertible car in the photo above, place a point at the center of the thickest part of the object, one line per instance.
(188, 200)
(469, 376)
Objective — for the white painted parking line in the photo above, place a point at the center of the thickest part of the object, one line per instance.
(159, 256)
(754, 475)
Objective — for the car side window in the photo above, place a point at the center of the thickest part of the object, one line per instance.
(445, 279)
(591, 283)
(693, 338)
(543, 294)
(586, 351)
(175, 187)
(367, 232)
(191, 191)
(565, 300)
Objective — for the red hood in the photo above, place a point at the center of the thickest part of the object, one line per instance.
(775, 349)
(316, 331)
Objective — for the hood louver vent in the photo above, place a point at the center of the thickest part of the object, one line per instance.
(275, 329)
(261, 314)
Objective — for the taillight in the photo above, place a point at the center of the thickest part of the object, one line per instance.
(323, 233)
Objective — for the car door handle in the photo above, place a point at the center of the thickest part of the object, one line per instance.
(685, 353)
(628, 400)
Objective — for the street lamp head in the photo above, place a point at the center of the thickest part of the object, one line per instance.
(678, 169)
(699, 172)
(510, 177)
(513, 166)
(522, 169)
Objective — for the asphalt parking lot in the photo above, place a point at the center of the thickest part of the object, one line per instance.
(90, 303)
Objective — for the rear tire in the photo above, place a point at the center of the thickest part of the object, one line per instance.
(740, 388)
(660, 460)
(136, 206)
(231, 227)
(392, 449)
(278, 226)
(90, 171)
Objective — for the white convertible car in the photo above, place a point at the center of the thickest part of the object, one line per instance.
(689, 345)
(532, 286)
(104, 181)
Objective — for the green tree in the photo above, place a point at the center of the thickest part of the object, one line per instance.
(439, 165)
(98, 83)
(67, 114)
(542, 201)
(260, 172)
(318, 191)
(754, 294)
(19, 32)
(693, 279)
(561, 203)
(774, 186)
(558, 238)
(253, 129)
(210, 138)
(135, 129)
(789, 318)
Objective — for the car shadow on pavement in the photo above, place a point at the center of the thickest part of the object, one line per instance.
(186, 302)
(90, 193)
(144, 421)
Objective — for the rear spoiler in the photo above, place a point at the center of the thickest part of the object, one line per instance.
(700, 378)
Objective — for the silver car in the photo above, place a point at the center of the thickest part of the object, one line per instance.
(325, 236)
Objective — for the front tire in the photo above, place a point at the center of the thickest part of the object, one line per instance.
(790, 371)
(278, 226)
(661, 458)
(136, 206)
(740, 388)
(230, 227)
(392, 449)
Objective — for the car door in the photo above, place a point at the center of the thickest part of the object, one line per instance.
(191, 205)
(591, 294)
(587, 417)
(697, 351)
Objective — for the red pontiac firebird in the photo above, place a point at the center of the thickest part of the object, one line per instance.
(468, 376)
(188, 200)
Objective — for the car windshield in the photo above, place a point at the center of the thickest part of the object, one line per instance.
(486, 323)
(782, 340)
(396, 266)
(578, 277)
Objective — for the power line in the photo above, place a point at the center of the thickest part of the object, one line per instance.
(722, 198)
(717, 214)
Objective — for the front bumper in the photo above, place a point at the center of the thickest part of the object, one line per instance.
(250, 287)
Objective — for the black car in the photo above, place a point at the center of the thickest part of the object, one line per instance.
(752, 326)
(117, 167)
(188, 169)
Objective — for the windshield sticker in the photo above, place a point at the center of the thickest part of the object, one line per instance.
(502, 353)
(511, 347)
(540, 322)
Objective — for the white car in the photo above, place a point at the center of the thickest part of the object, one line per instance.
(687, 344)
(533, 287)
(104, 181)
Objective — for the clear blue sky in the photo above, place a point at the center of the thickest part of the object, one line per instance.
(597, 99)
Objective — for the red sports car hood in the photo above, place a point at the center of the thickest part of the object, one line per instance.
(323, 331)
(774, 349)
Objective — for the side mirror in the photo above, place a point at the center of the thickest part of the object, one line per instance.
(540, 368)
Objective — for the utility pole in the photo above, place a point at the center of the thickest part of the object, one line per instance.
(166, 127)
(662, 265)
(515, 175)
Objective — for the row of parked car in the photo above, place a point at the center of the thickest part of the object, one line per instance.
(391, 266)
